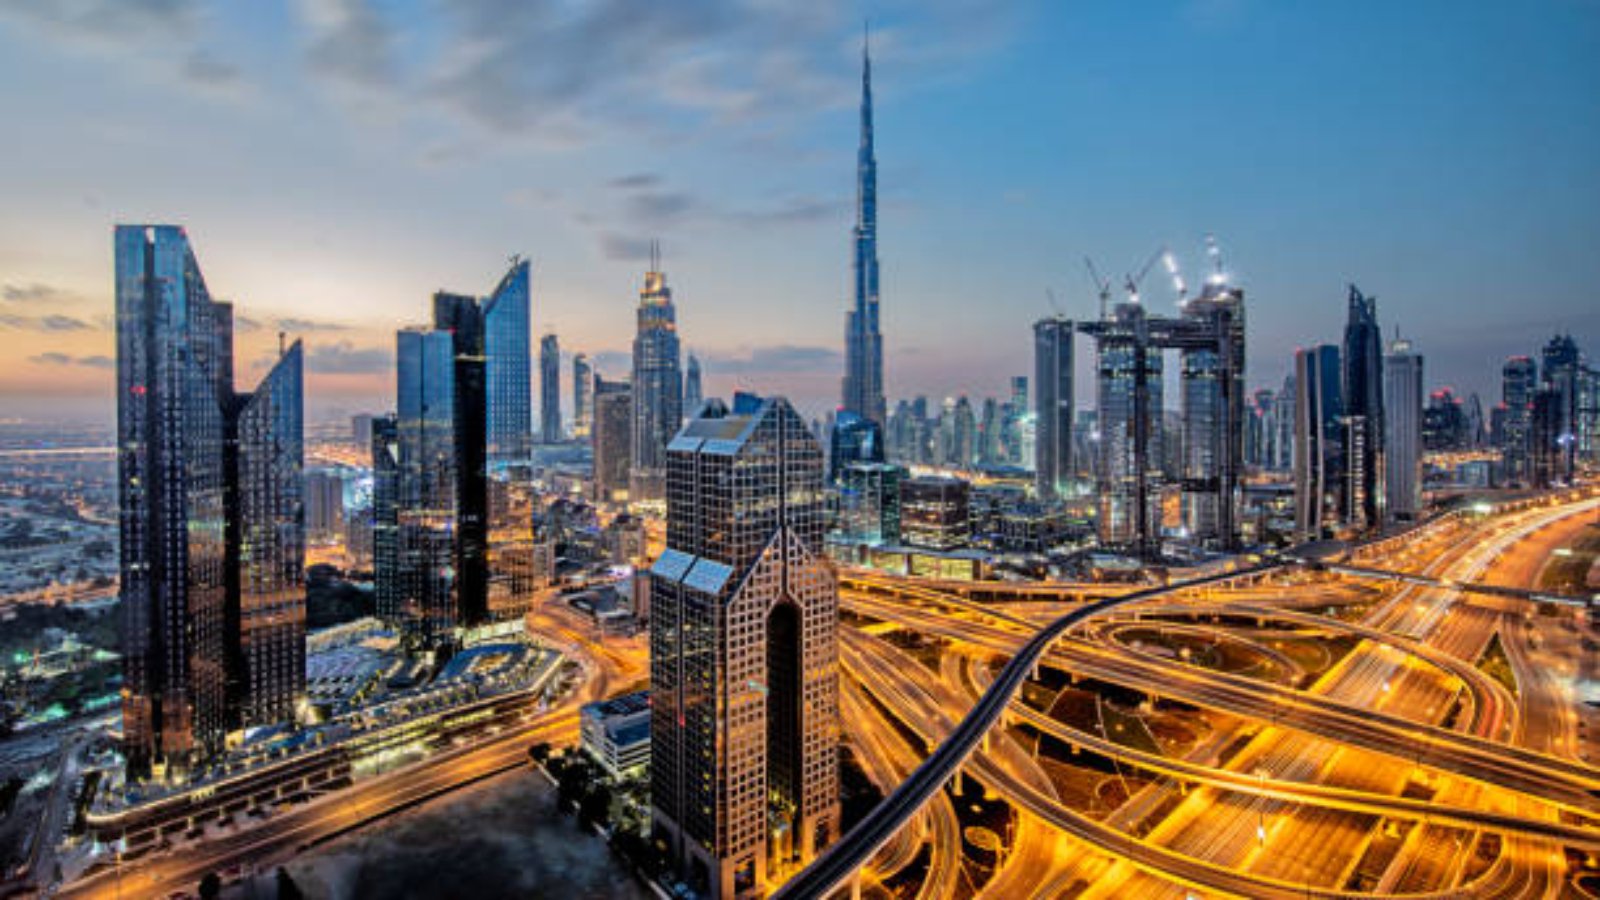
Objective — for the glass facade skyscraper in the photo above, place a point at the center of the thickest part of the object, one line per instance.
(1402, 405)
(657, 386)
(212, 518)
(426, 502)
(1318, 440)
(744, 659)
(1052, 378)
(582, 396)
(550, 389)
(507, 360)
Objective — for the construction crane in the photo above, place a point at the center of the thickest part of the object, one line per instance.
(1131, 283)
(1101, 286)
(1178, 286)
(1218, 277)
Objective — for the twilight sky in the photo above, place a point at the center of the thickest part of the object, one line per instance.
(336, 161)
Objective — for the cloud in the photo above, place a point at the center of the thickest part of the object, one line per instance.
(566, 74)
(34, 293)
(350, 42)
(51, 323)
(161, 37)
(54, 358)
(245, 325)
(292, 324)
(345, 358)
(635, 181)
(775, 358)
(621, 247)
(615, 365)
(63, 323)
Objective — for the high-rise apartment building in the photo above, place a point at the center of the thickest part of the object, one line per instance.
(550, 389)
(212, 518)
(1519, 379)
(1402, 405)
(612, 438)
(1561, 371)
(1128, 388)
(1052, 378)
(657, 385)
(744, 669)
(863, 377)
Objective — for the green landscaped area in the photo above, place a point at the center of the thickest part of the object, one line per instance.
(1571, 569)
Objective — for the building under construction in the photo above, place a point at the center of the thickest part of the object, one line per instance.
(1208, 334)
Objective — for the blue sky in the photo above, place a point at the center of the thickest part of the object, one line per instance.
(336, 162)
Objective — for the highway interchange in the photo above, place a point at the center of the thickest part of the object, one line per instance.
(1400, 770)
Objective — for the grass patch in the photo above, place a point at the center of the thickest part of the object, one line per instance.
(1495, 664)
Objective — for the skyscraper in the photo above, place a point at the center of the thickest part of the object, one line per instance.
(863, 378)
(657, 385)
(1212, 377)
(463, 319)
(1052, 378)
(744, 669)
(386, 469)
(1561, 370)
(1519, 379)
(853, 440)
(267, 542)
(1128, 387)
(550, 389)
(212, 518)
(507, 362)
(613, 438)
(1362, 393)
(693, 391)
(426, 592)
(582, 396)
(1318, 440)
(1402, 406)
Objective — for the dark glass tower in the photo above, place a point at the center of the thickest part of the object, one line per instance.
(550, 389)
(1362, 390)
(386, 478)
(853, 440)
(693, 392)
(657, 385)
(267, 542)
(1318, 439)
(212, 521)
(863, 379)
(428, 576)
(744, 669)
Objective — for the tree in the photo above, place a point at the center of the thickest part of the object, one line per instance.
(540, 752)
(596, 806)
(210, 887)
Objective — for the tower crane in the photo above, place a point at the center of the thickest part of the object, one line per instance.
(1102, 286)
(1130, 283)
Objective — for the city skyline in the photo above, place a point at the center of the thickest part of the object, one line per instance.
(1435, 208)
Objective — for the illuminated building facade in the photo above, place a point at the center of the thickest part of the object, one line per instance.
(744, 666)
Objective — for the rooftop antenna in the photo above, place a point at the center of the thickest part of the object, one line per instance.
(282, 338)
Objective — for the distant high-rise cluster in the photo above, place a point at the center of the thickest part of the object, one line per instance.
(744, 669)
(1548, 421)
(212, 515)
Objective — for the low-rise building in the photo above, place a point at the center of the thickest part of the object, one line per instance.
(616, 733)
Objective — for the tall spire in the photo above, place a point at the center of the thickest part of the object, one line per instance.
(863, 380)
